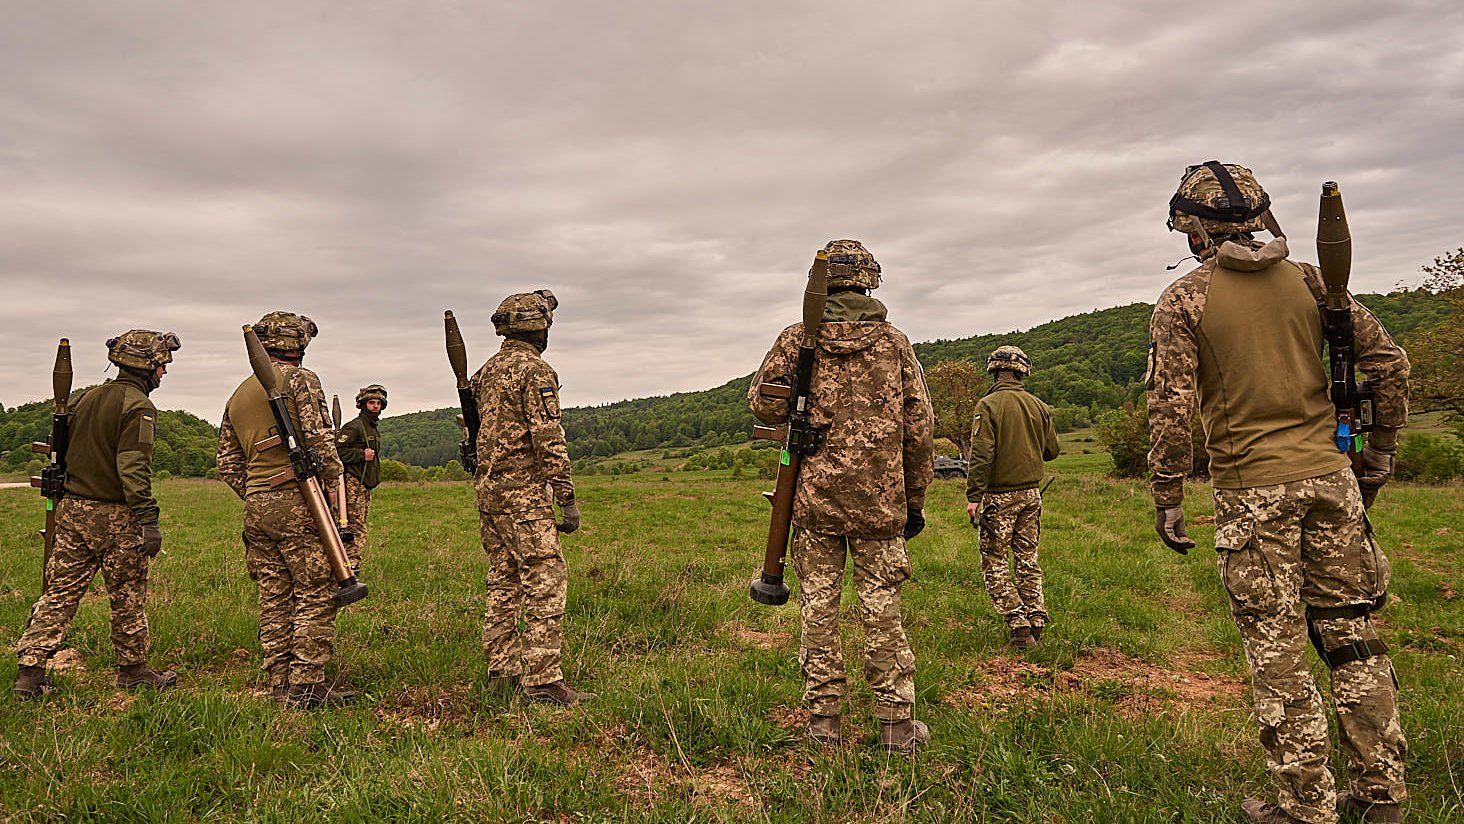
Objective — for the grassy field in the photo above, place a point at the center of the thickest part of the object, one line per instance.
(1135, 708)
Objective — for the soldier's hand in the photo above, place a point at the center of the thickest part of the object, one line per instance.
(1169, 523)
(569, 518)
(370, 454)
(973, 513)
(914, 523)
(1377, 468)
(152, 540)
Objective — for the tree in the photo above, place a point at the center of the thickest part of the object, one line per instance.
(1437, 352)
(955, 386)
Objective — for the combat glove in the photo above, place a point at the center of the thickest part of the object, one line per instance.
(152, 540)
(1377, 467)
(569, 518)
(914, 523)
(1169, 523)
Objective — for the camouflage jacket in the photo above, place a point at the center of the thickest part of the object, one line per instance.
(522, 454)
(110, 455)
(1242, 335)
(247, 421)
(868, 397)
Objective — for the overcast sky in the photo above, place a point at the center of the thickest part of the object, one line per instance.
(668, 168)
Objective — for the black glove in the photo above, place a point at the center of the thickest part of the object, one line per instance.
(1377, 468)
(1169, 523)
(569, 518)
(152, 540)
(914, 523)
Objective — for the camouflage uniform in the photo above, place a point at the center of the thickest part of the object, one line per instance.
(868, 396)
(362, 476)
(523, 469)
(1242, 334)
(100, 521)
(282, 550)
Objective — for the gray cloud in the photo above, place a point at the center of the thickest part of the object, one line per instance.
(667, 169)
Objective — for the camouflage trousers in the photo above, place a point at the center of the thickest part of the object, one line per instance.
(284, 557)
(1011, 525)
(91, 536)
(527, 579)
(881, 566)
(1283, 548)
(358, 510)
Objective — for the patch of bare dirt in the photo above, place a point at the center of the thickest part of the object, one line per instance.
(1204, 519)
(427, 706)
(121, 701)
(793, 719)
(647, 777)
(1446, 589)
(759, 639)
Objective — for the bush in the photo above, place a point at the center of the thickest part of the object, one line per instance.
(1429, 459)
(1125, 434)
(1068, 418)
(392, 470)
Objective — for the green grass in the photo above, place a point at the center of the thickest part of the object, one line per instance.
(698, 714)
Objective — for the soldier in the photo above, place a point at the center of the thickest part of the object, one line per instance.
(861, 494)
(1242, 335)
(523, 469)
(108, 518)
(357, 443)
(282, 550)
(1011, 435)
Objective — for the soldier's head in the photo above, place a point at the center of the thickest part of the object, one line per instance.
(285, 335)
(851, 267)
(143, 353)
(1217, 202)
(526, 317)
(1008, 359)
(371, 399)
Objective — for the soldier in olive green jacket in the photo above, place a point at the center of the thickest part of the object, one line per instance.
(358, 442)
(1011, 436)
(108, 519)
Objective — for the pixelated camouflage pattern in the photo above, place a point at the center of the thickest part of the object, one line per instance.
(869, 398)
(865, 274)
(527, 582)
(881, 566)
(1280, 548)
(358, 512)
(248, 420)
(523, 461)
(91, 536)
(1298, 444)
(1011, 358)
(285, 559)
(285, 331)
(142, 348)
(1201, 186)
(374, 392)
(1011, 527)
(523, 312)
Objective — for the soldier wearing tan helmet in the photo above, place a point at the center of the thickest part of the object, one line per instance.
(523, 473)
(282, 550)
(358, 442)
(108, 518)
(1011, 436)
(1238, 340)
(860, 495)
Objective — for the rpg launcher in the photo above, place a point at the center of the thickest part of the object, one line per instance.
(342, 517)
(304, 471)
(52, 480)
(457, 358)
(1353, 402)
(799, 438)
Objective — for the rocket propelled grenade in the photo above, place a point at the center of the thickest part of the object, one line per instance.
(1354, 403)
(52, 480)
(799, 438)
(457, 358)
(305, 472)
(342, 518)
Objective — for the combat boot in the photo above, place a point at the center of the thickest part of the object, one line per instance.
(32, 682)
(1037, 633)
(318, 694)
(823, 730)
(1264, 812)
(903, 737)
(135, 676)
(1363, 810)
(558, 693)
(1021, 638)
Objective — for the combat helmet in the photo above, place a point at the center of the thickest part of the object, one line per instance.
(525, 312)
(1011, 358)
(1222, 199)
(374, 392)
(850, 264)
(142, 348)
(285, 331)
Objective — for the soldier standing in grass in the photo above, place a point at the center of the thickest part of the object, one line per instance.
(108, 518)
(1242, 334)
(358, 443)
(523, 471)
(282, 550)
(1011, 435)
(860, 495)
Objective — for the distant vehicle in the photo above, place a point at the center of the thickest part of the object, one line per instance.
(948, 468)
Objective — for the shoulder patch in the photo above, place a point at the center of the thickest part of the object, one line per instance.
(976, 425)
(145, 430)
(1151, 369)
(343, 437)
(550, 396)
